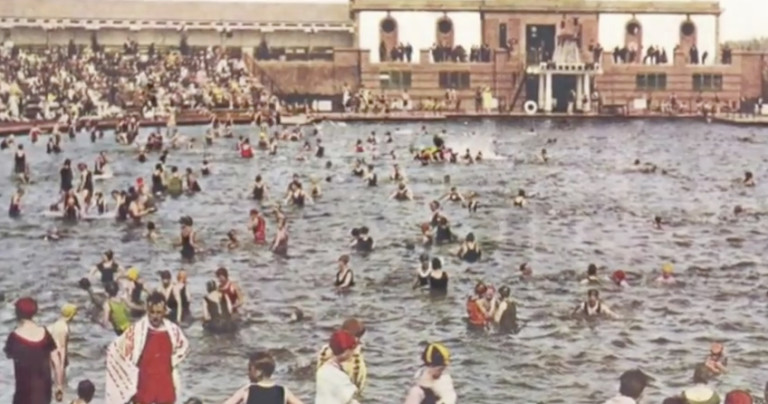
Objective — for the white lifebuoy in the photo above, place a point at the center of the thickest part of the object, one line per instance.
(530, 107)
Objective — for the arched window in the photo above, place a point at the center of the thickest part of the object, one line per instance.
(444, 32)
(388, 38)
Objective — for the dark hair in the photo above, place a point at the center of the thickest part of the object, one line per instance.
(632, 383)
(263, 362)
(701, 374)
(109, 254)
(436, 263)
(210, 286)
(593, 292)
(86, 390)
(592, 269)
(222, 272)
(111, 289)
(165, 274)
(155, 298)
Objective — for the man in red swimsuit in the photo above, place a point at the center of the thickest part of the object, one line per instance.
(258, 227)
(141, 363)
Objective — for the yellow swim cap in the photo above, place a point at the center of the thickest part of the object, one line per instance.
(132, 274)
(667, 268)
(68, 310)
(436, 355)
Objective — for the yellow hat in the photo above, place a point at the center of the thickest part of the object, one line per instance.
(68, 310)
(436, 355)
(667, 268)
(132, 274)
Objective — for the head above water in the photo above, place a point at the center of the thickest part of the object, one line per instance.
(261, 365)
(26, 308)
(632, 383)
(738, 397)
(436, 355)
(592, 270)
(437, 263)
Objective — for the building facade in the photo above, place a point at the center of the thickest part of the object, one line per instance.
(520, 50)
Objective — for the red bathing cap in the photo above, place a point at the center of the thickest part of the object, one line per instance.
(738, 397)
(139, 180)
(619, 276)
(26, 308)
(342, 341)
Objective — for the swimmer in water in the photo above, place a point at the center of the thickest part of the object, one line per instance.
(453, 195)
(370, 178)
(619, 278)
(230, 289)
(261, 389)
(469, 251)
(358, 170)
(505, 314)
(520, 200)
(526, 272)
(427, 237)
(594, 307)
(422, 272)
(259, 190)
(543, 156)
(232, 243)
(716, 361)
(472, 202)
(592, 278)
(666, 277)
(258, 226)
(398, 174)
(433, 384)
(193, 186)
(657, 223)
(362, 240)
(280, 243)
(345, 278)
(187, 239)
(151, 233)
(749, 179)
(14, 210)
(403, 193)
(205, 170)
(297, 197)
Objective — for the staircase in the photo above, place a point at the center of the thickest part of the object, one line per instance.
(519, 90)
(266, 80)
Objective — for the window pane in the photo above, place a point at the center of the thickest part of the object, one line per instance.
(707, 84)
(717, 82)
(651, 81)
(454, 79)
(443, 80)
(696, 82)
(640, 81)
(662, 82)
(464, 80)
(502, 35)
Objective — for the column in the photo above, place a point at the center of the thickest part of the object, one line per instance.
(542, 89)
(587, 107)
(718, 57)
(579, 94)
(548, 93)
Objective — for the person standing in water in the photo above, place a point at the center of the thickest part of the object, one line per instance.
(14, 209)
(108, 269)
(354, 366)
(59, 330)
(188, 239)
(33, 352)
(594, 307)
(261, 389)
(345, 278)
(258, 227)
(116, 310)
(217, 309)
(505, 315)
(333, 385)
(469, 251)
(433, 384)
(280, 243)
(172, 295)
(230, 289)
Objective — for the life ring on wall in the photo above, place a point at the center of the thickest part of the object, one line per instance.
(530, 107)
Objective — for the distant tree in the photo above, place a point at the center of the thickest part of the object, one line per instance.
(754, 44)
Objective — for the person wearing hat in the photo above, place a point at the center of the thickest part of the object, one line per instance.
(33, 352)
(631, 386)
(355, 367)
(700, 393)
(433, 383)
(333, 384)
(738, 397)
(666, 277)
(59, 330)
(135, 291)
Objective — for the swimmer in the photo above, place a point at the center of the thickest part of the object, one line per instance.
(280, 243)
(526, 272)
(359, 148)
(193, 186)
(187, 239)
(297, 197)
(594, 307)
(469, 251)
(261, 389)
(478, 307)
(158, 179)
(345, 278)
(619, 278)
(108, 269)
(398, 174)
(362, 241)
(433, 384)
(135, 291)
(716, 361)
(370, 178)
(151, 233)
(443, 233)
(320, 149)
(505, 315)
(230, 289)
(19, 161)
(259, 190)
(205, 170)
(358, 170)
(666, 277)
(454, 196)
(100, 165)
(749, 179)
(352, 364)
(427, 238)
(217, 309)
(232, 243)
(14, 209)
(437, 279)
(66, 176)
(471, 202)
(116, 310)
(657, 223)
(388, 137)
(520, 200)
(100, 203)
(543, 157)
(60, 332)
(258, 226)
(85, 392)
(403, 193)
(422, 272)
(592, 278)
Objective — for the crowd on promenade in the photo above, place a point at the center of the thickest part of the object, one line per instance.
(90, 81)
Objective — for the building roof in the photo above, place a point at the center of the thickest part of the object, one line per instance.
(154, 10)
(552, 6)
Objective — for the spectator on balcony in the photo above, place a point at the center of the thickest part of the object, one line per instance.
(597, 52)
(408, 52)
(693, 55)
(262, 51)
(726, 54)
(704, 57)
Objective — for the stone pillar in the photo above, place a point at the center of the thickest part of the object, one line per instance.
(548, 93)
(579, 93)
(542, 89)
(587, 107)
(717, 59)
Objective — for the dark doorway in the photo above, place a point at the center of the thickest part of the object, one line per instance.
(563, 90)
(532, 88)
(539, 43)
